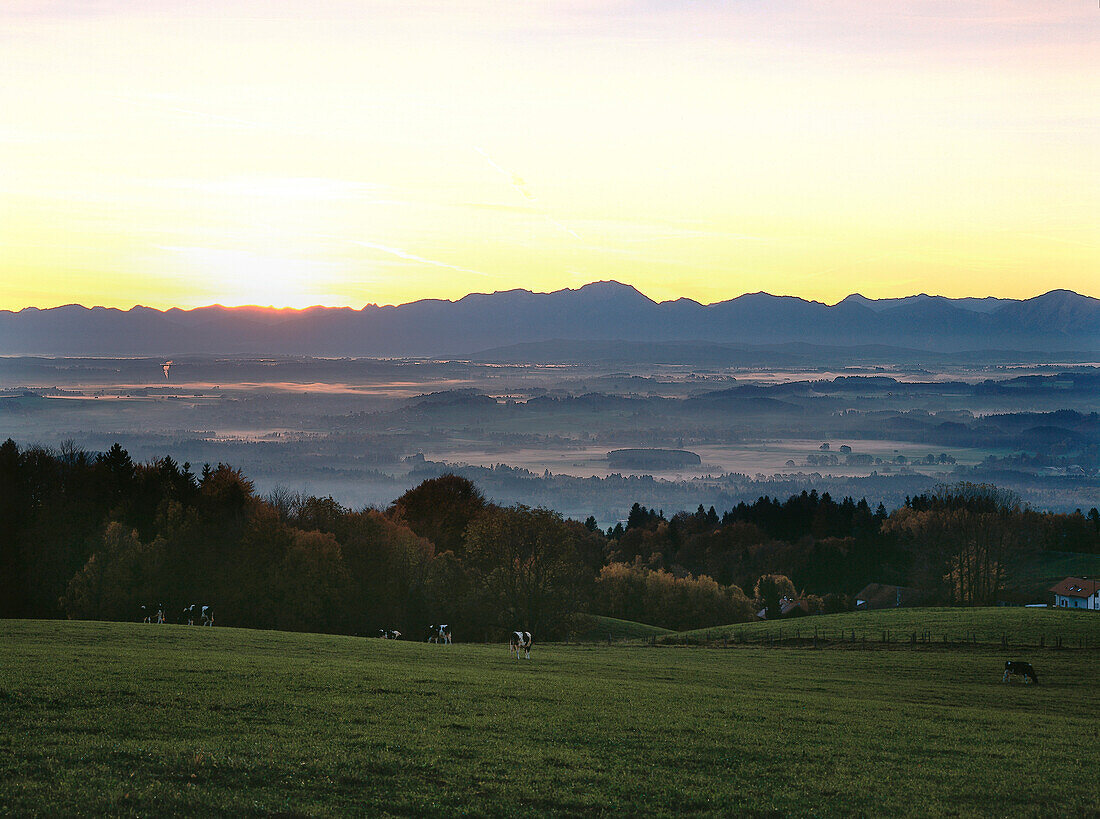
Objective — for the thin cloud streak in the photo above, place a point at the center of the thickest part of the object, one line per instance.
(412, 257)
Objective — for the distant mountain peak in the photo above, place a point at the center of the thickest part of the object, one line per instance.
(608, 288)
(606, 284)
(1063, 296)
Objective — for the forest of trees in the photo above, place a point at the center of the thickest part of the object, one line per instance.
(96, 535)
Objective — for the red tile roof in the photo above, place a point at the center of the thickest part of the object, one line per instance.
(1076, 587)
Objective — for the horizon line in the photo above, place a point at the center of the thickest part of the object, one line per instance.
(366, 305)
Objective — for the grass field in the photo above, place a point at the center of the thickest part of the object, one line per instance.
(1021, 627)
(99, 718)
(1044, 569)
(619, 630)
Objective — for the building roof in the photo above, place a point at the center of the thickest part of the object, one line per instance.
(786, 606)
(1076, 587)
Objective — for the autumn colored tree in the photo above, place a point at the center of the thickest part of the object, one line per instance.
(115, 581)
(769, 590)
(388, 567)
(966, 538)
(440, 509)
(528, 567)
(636, 592)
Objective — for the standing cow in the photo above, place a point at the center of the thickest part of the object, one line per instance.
(152, 614)
(440, 634)
(207, 615)
(520, 641)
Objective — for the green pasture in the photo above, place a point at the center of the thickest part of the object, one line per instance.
(1044, 569)
(604, 628)
(128, 719)
(1020, 627)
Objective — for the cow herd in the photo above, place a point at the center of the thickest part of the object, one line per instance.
(518, 641)
(192, 615)
(196, 614)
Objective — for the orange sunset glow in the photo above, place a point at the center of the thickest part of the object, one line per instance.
(294, 153)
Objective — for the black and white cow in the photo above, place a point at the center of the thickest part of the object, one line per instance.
(152, 614)
(440, 634)
(1019, 669)
(389, 633)
(190, 614)
(520, 640)
(207, 613)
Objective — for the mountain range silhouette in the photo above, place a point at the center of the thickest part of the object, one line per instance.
(1060, 320)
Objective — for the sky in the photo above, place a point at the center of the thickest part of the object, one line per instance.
(301, 152)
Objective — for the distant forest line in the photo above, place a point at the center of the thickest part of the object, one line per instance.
(96, 535)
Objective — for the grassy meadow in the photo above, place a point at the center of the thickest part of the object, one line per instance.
(618, 629)
(109, 718)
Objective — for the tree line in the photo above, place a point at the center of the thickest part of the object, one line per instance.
(96, 535)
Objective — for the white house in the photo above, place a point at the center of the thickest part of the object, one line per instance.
(1077, 593)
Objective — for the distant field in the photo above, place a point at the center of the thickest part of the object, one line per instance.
(748, 458)
(1020, 626)
(620, 630)
(100, 718)
(1047, 568)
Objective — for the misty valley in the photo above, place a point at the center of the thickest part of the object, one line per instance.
(590, 436)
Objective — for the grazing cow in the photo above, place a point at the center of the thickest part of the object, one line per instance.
(147, 614)
(1019, 669)
(440, 634)
(520, 640)
(208, 615)
(189, 614)
(389, 633)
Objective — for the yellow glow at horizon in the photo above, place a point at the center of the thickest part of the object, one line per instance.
(348, 153)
